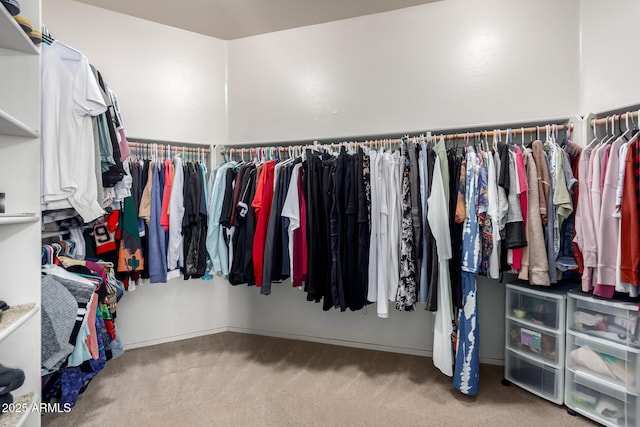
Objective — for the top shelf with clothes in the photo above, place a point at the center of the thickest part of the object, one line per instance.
(13, 39)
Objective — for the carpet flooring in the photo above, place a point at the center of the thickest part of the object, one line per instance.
(232, 379)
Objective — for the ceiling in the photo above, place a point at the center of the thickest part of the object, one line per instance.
(232, 19)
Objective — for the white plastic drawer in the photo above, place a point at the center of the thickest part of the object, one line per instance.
(615, 322)
(614, 364)
(535, 307)
(540, 344)
(537, 378)
(605, 405)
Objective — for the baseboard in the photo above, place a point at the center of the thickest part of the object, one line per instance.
(346, 343)
(333, 341)
(287, 335)
(146, 343)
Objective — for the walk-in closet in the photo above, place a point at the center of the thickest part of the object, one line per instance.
(284, 212)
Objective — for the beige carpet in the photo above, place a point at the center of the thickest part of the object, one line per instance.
(246, 380)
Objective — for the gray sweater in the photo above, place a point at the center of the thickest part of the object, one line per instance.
(59, 310)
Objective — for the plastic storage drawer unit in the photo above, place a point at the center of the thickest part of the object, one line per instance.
(537, 378)
(608, 406)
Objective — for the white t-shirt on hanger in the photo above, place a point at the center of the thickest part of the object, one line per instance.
(291, 210)
(70, 98)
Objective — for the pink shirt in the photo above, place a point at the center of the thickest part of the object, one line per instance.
(522, 179)
(603, 166)
(92, 340)
(609, 226)
(585, 228)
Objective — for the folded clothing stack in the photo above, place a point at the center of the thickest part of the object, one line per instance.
(3, 306)
(13, 6)
(24, 23)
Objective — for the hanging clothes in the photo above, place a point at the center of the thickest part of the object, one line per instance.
(467, 364)
(438, 217)
(175, 251)
(215, 240)
(71, 96)
(245, 224)
(291, 210)
(608, 227)
(157, 249)
(407, 289)
(194, 224)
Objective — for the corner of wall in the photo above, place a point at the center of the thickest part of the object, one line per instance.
(582, 109)
(226, 91)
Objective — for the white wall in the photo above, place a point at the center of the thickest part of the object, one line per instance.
(454, 63)
(170, 82)
(447, 64)
(171, 86)
(610, 60)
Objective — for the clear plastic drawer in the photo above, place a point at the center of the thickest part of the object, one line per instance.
(540, 344)
(613, 321)
(608, 406)
(535, 307)
(538, 378)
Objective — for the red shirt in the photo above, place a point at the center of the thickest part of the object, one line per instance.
(629, 227)
(263, 209)
(300, 256)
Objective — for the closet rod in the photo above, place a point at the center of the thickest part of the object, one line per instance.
(177, 147)
(615, 117)
(380, 142)
(58, 233)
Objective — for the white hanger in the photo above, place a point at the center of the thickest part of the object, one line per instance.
(610, 137)
(595, 134)
(626, 131)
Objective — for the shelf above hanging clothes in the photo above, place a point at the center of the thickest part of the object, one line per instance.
(10, 125)
(20, 218)
(15, 317)
(12, 37)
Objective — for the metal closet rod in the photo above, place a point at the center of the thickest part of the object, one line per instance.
(614, 117)
(178, 148)
(381, 142)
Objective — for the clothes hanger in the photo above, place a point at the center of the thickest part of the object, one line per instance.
(609, 137)
(605, 137)
(627, 130)
(635, 132)
(72, 245)
(595, 139)
(46, 254)
(548, 140)
(46, 36)
(92, 278)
